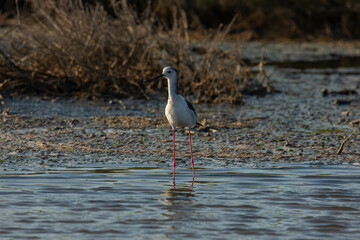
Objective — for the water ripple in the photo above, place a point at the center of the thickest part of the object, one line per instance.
(287, 202)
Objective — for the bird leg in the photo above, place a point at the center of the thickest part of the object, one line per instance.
(192, 183)
(174, 164)
(192, 159)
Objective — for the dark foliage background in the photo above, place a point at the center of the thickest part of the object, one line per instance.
(256, 19)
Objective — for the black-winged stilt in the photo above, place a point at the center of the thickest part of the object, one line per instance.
(179, 112)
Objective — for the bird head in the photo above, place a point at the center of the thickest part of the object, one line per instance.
(169, 73)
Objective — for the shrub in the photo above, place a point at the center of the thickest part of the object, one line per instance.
(66, 48)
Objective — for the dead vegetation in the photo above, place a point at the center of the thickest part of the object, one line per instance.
(66, 48)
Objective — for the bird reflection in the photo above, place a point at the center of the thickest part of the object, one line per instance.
(180, 196)
(192, 183)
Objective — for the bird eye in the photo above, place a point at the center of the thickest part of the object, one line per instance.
(169, 71)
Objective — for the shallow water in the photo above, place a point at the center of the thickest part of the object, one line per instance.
(127, 201)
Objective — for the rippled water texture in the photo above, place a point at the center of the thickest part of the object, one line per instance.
(127, 201)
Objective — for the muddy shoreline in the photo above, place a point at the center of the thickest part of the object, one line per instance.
(232, 136)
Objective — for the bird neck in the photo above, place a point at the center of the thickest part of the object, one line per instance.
(172, 87)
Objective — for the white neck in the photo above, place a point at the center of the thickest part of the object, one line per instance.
(171, 87)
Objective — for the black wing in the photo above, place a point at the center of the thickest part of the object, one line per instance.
(190, 106)
(192, 109)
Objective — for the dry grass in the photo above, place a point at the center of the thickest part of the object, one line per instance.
(67, 49)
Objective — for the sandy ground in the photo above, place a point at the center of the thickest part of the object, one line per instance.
(38, 134)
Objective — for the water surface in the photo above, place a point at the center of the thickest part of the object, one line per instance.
(127, 201)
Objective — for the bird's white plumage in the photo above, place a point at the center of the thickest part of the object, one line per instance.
(178, 113)
(177, 110)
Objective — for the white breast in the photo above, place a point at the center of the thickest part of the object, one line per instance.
(178, 113)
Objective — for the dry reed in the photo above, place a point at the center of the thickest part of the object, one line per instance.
(67, 48)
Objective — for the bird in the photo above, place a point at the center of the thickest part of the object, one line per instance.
(178, 111)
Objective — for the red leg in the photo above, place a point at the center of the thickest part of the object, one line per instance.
(174, 164)
(192, 159)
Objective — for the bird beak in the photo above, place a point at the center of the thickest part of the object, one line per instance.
(156, 77)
